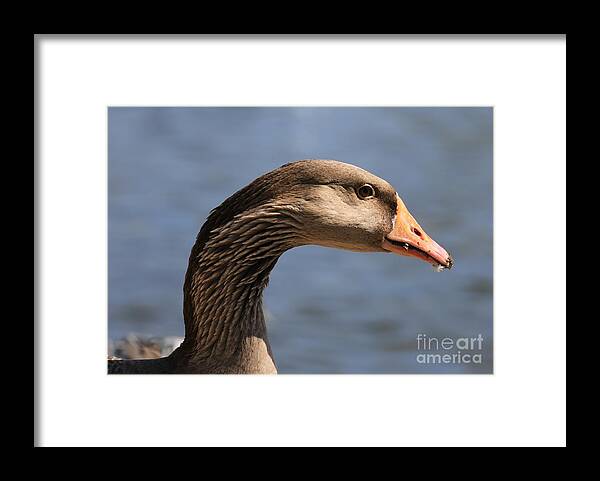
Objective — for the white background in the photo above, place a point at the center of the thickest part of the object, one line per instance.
(522, 404)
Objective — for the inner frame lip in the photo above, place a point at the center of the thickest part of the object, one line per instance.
(411, 246)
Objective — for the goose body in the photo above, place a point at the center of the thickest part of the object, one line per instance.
(309, 202)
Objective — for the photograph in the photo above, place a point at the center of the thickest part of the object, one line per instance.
(251, 240)
(300, 240)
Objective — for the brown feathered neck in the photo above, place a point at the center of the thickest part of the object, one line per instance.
(229, 267)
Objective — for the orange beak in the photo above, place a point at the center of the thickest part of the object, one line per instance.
(408, 238)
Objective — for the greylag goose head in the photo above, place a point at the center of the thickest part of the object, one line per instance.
(321, 202)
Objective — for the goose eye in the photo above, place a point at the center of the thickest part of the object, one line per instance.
(366, 191)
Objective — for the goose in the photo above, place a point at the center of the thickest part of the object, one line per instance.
(308, 202)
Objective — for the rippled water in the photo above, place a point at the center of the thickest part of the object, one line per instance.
(329, 311)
